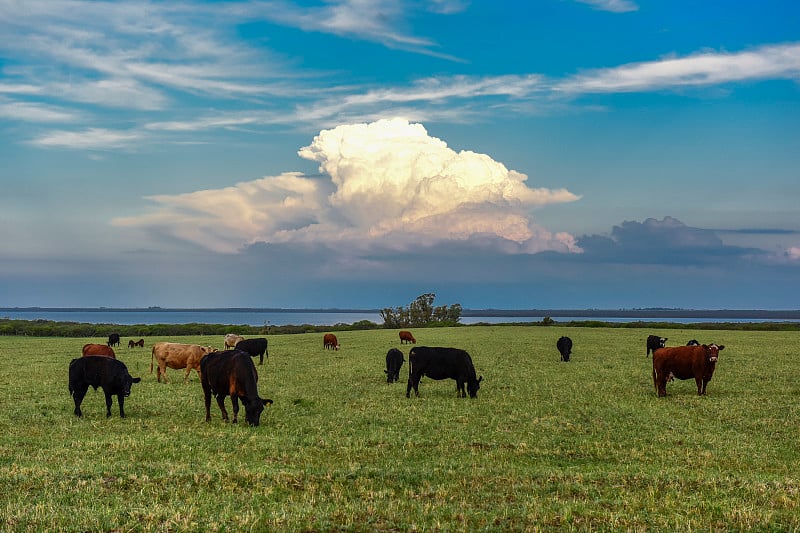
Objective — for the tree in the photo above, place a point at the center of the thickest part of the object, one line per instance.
(421, 313)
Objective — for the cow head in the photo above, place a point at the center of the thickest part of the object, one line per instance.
(712, 351)
(126, 382)
(253, 410)
(473, 385)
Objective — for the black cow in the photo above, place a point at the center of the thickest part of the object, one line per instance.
(232, 373)
(100, 371)
(564, 346)
(654, 342)
(394, 362)
(693, 342)
(255, 347)
(113, 339)
(442, 363)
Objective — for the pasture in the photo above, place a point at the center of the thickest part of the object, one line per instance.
(547, 445)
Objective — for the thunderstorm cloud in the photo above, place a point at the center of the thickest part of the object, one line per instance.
(387, 183)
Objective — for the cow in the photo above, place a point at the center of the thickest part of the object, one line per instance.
(406, 337)
(232, 373)
(100, 371)
(693, 342)
(654, 342)
(394, 362)
(564, 345)
(177, 356)
(231, 340)
(98, 349)
(113, 339)
(685, 362)
(330, 342)
(131, 344)
(255, 347)
(442, 363)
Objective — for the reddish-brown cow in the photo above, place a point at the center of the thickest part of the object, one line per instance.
(406, 337)
(177, 356)
(330, 342)
(685, 362)
(98, 349)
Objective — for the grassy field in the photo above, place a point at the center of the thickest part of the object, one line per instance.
(546, 446)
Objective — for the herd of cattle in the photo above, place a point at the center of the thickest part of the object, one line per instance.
(232, 372)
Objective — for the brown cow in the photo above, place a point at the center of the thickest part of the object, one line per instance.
(406, 337)
(177, 356)
(330, 342)
(232, 339)
(98, 349)
(232, 373)
(685, 362)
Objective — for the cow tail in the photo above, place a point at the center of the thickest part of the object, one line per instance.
(655, 378)
(152, 356)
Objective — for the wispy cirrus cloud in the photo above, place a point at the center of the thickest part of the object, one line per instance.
(780, 61)
(89, 139)
(614, 6)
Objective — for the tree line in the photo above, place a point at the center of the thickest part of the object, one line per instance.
(421, 313)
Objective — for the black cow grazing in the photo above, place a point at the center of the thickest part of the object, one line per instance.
(232, 373)
(654, 342)
(100, 371)
(255, 347)
(394, 361)
(442, 363)
(693, 342)
(564, 346)
(113, 339)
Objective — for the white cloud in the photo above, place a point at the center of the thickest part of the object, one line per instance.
(615, 6)
(389, 183)
(703, 69)
(31, 112)
(90, 139)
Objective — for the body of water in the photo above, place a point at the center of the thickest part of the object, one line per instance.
(254, 317)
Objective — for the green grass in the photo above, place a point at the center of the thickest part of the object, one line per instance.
(546, 446)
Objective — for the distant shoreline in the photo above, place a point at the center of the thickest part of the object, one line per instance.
(594, 313)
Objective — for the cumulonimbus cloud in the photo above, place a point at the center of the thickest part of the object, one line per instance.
(387, 183)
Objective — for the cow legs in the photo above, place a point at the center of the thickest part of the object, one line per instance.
(413, 381)
(78, 395)
(207, 397)
(235, 402)
(162, 371)
(701, 387)
(121, 400)
(109, 400)
(460, 392)
(221, 403)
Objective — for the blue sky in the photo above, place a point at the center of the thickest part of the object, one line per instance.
(551, 153)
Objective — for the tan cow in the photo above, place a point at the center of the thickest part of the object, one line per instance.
(232, 339)
(98, 349)
(177, 356)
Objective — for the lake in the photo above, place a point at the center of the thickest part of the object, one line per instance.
(283, 317)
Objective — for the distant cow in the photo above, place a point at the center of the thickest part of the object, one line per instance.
(175, 355)
(564, 346)
(685, 362)
(406, 337)
(98, 349)
(654, 342)
(330, 342)
(255, 347)
(442, 363)
(693, 342)
(132, 343)
(99, 371)
(113, 339)
(232, 373)
(231, 340)
(394, 361)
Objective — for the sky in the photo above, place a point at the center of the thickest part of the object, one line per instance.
(561, 154)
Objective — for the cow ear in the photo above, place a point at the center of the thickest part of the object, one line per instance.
(480, 379)
(136, 380)
(721, 347)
